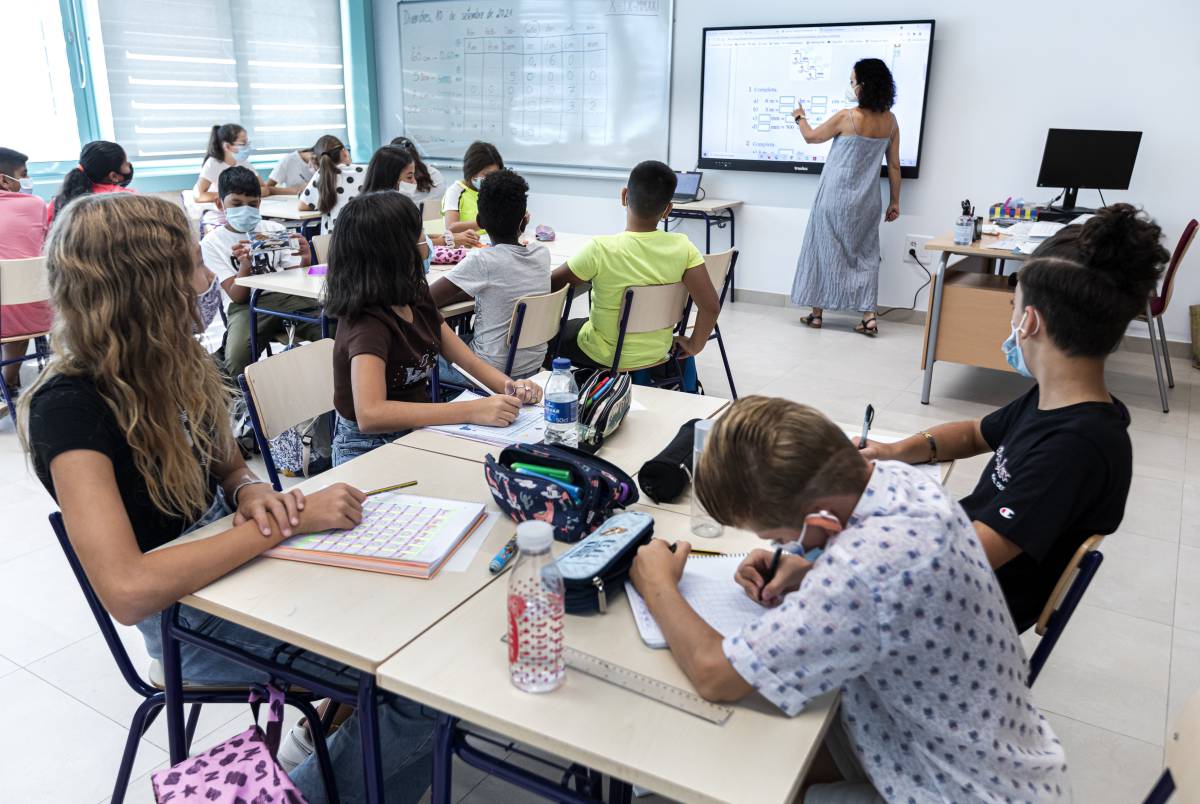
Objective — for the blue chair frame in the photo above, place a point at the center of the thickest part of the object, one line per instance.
(154, 699)
(255, 293)
(716, 333)
(1163, 789)
(41, 353)
(1051, 625)
(260, 437)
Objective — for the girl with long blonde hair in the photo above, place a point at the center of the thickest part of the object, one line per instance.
(128, 430)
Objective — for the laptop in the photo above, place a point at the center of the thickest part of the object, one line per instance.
(687, 187)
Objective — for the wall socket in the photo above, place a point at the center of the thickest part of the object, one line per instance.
(917, 243)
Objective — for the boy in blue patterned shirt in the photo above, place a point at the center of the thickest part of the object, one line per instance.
(901, 613)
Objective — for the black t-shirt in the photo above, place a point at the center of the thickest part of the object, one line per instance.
(68, 413)
(1057, 477)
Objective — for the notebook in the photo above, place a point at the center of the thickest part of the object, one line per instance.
(400, 534)
(529, 428)
(707, 585)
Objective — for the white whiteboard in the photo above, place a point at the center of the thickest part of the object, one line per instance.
(584, 83)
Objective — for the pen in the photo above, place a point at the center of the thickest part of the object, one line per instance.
(868, 420)
(486, 391)
(392, 488)
(770, 576)
(501, 559)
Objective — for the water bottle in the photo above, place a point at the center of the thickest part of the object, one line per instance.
(535, 612)
(702, 524)
(561, 404)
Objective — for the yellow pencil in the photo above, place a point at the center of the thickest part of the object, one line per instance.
(392, 488)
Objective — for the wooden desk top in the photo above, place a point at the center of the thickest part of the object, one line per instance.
(460, 667)
(298, 282)
(564, 245)
(709, 205)
(286, 207)
(977, 249)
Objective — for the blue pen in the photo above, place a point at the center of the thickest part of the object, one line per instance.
(567, 487)
(501, 559)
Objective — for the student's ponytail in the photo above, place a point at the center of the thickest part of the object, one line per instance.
(218, 137)
(328, 154)
(96, 161)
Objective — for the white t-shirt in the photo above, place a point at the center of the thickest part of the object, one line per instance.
(212, 170)
(349, 185)
(497, 276)
(217, 250)
(451, 195)
(292, 171)
(434, 192)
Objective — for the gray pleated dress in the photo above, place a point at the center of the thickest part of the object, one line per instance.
(838, 267)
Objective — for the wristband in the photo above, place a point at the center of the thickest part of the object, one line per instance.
(932, 447)
(238, 489)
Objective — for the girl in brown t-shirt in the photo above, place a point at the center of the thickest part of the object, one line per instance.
(390, 334)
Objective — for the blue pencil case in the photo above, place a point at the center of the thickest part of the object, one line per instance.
(598, 565)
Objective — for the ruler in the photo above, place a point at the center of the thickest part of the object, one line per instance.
(652, 688)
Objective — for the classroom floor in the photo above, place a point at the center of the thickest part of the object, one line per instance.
(1124, 667)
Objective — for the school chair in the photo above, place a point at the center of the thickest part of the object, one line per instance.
(286, 389)
(1156, 308)
(537, 320)
(1182, 772)
(320, 247)
(431, 210)
(1063, 600)
(153, 696)
(720, 267)
(648, 308)
(23, 282)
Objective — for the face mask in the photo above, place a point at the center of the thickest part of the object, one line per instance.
(242, 152)
(208, 303)
(851, 95)
(478, 180)
(428, 261)
(1012, 351)
(26, 182)
(126, 178)
(408, 188)
(244, 219)
(822, 519)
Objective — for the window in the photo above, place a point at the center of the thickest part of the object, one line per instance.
(165, 72)
(39, 98)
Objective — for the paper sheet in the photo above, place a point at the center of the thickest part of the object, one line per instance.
(530, 426)
(707, 585)
(465, 554)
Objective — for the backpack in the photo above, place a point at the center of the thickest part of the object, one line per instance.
(304, 450)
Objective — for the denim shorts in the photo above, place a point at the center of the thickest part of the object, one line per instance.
(350, 442)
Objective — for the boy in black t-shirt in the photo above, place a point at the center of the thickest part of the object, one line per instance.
(1062, 460)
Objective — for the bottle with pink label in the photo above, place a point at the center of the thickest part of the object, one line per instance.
(535, 612)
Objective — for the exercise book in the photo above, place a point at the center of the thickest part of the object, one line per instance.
(400, 534)
(529, 428)
(708, 586)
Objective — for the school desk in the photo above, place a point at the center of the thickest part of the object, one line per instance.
(460, 668)
(286, 208)
(969, 311)
(714, 212)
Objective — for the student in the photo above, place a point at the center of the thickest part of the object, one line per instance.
(226, 254)
(390, 334)
(131, 437)
(102, 168)
(228, 145)
(292, 173)
(390, 168)
(22, 230)
(900, 612)
(428, 183)
(641, 255)
(496, 277)
(1062, 460)
(336, 182)
(460, 204)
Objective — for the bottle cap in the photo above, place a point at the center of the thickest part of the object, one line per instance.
(561, 364)
(534, 535)
(703, 428)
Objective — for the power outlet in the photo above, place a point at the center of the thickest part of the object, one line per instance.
(915, 243)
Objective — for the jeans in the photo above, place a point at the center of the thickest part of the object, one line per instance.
(405, 727)
(237, 336)
(350, 442)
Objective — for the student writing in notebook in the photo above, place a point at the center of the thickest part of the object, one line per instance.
(901, 613)
(1061, 459)
(460, 204)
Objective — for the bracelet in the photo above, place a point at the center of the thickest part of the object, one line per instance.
(932, 447)
(238, 489)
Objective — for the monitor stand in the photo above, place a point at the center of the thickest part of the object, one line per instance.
(1068, 211)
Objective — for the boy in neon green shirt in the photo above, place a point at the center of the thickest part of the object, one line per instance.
(641, 255)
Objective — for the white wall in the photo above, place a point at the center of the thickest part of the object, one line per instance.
(998, 81)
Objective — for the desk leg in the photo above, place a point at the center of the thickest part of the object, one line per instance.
(368, 723)
(443, 759)
(173, 689)
(733, 270)
(708, 225)
(254, 325)
(939, 283)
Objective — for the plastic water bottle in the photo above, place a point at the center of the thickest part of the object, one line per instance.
(561, 404)
(535, 612)
(702, 524)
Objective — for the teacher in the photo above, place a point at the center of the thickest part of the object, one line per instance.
(838, 266)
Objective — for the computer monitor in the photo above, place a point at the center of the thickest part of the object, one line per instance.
(687, 185)
(1082, 158)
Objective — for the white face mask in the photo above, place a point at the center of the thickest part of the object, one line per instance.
(26, 183)
(408, 188)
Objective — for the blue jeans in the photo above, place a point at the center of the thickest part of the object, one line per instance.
(405, 727)
(350, 442)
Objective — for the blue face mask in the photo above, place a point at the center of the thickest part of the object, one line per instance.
(1012, 351)
(428, 261)
(244, 219)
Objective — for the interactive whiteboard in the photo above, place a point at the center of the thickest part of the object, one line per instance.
(754, 77)
(581, 83)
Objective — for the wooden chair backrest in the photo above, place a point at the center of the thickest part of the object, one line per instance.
(656, 307)
(23, 281)
(543, 314)
(1064, 582)
(292, 386)
(321, 248)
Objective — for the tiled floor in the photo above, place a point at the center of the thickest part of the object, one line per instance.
(1126, 664)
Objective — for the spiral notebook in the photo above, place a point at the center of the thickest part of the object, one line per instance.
(708, 586)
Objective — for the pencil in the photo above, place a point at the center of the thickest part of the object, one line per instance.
(392, 488)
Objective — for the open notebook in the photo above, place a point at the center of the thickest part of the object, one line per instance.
(400, 534)
(708, 586)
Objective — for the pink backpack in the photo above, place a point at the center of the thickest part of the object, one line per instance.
(241, 770)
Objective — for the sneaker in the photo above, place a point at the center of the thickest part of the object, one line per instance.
(295, 747)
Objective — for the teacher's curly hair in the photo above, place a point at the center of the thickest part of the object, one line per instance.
(878, 92)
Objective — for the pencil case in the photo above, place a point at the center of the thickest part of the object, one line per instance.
(603, 403)
(575, 506)
(596, 568)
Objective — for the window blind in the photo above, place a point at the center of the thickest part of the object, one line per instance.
(167, 71)
(39, 110)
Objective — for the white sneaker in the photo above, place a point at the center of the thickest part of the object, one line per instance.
(295, 747)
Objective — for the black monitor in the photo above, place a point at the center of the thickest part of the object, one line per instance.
(1082, 158)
